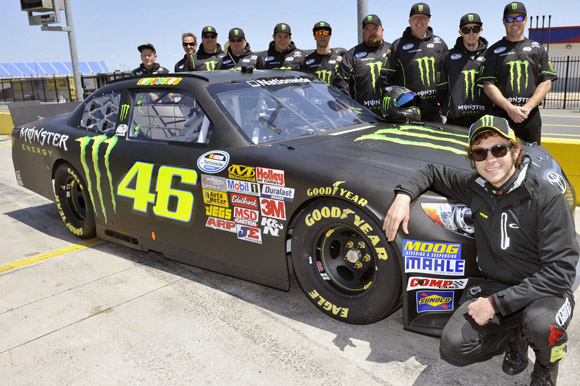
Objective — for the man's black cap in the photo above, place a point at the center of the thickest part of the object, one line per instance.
(237, 33)
(420, 9)
(147, 45)
(491, 123)
(371, 19)
(514, 7)
(321, 25)
(283, 27)
(208, 30)
(470, 18)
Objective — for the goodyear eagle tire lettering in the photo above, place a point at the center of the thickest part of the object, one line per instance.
(344, 264)
(74, 202)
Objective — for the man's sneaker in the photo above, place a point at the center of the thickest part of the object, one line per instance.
(544, 375)
(516, 355)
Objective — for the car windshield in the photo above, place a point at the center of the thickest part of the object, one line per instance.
(271, 109)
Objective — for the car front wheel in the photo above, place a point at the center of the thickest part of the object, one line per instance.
(74, 202)
(344, 263)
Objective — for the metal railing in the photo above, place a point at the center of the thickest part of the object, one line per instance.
(565, 92)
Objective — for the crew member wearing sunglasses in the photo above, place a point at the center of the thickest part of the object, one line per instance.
(526, 249)
(462, 102)
(324, 61)
(189, 43)
(517, 74)
(238, 53)
(209, 54)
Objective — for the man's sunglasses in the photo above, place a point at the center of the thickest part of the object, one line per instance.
(190, 44)
(322, 32)
(511, 19)
(210, 36)
(236, 40)
(498, 151)
(474, 28)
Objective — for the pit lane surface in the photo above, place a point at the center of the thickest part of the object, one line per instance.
(103, 314)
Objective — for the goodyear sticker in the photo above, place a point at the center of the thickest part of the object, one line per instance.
(434, 301)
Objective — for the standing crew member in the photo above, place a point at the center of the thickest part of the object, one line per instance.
(517, 74)
(358, 73)
(189, 43)
(462, 101)
(414, 62)
(324, 61)
(239, 52)
(209, 53)
(526, 250)
(148, 59)
(282, 53)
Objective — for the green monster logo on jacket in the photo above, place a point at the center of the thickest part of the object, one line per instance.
(517, 68)
(375, 68)
(324, 75)
(94, 156)
(427, 69)
(470, 85)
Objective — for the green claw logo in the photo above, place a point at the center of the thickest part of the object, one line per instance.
(514, 6)
(420, 7)
(426, 68)
(375, 69)
(94, 156)
(487, 121)
(124, 112)
(386, 103)
(324, 75)
(517, 68)
(470, 17)
(470, 86)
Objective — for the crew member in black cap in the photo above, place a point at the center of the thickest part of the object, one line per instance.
(414, 62)
(148, 59)
(238, 53)
(526, 249)
(462, 101)
(208, 54)
(517, 74)
(282, 53)
(323, 61)
(358, 73)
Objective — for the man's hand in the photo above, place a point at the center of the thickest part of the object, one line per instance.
(398, 212)
(518, 114)
(481, 311)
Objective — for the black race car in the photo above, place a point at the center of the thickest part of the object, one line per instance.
(241, 171)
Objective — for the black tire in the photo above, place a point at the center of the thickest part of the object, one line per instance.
(344, 264)
(74, 202)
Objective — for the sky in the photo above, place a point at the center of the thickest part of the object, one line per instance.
(111, 30)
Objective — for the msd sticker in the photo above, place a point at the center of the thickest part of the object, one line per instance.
(213, 161)
(434, 301)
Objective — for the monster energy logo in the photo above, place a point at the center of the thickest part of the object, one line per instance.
(209, 29)
(236, 32)
(322, 24)
(324, 75)
(420, 7)
(470, 80)
(518, 66)
(369, 18)
(470, 17)
(514, 6)
(386, 103)
(374, 75)
(94, 156)
(210, 65)
(419, 136)
(124, 111)
(426, 67)
(487, 121)
(283, 26)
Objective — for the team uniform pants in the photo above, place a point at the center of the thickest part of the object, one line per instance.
(543, 322)
(529, 130)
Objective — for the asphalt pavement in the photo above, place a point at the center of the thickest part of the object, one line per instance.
(97, 313)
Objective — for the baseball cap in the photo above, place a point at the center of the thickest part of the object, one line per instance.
(147, 45)
(209, 29)
(470, 18)
(283, 27)
(236, 33)
(420, 9)
(371, 19)
(321, 25)
(514, 7)
(491, 123)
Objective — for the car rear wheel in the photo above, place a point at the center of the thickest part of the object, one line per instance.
(74, 202)
(344, 264)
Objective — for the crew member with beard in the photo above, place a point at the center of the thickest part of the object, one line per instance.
(414, 62)
(239, 52)
(462, 101)
(358, 73)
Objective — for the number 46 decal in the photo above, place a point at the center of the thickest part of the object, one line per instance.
(142, 174)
